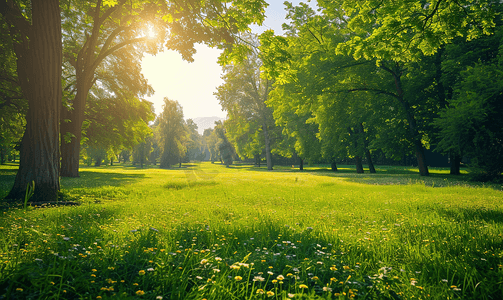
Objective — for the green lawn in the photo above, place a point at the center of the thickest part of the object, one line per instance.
(206, 231)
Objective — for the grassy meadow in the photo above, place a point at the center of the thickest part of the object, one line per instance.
(209, 232)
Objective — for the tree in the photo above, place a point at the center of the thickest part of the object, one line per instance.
(37, 44)
(13, 105)
(114, 26)
(109, 42)
(211, 142)
(470, 124)
(116, 122)
(223, 145)
(171, 133)
(243, 96)
(311, 61)
(194, 142)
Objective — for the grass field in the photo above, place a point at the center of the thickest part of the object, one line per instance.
(209, 232)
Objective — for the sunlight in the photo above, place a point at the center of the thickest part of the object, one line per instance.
(151, 34)
(191, 84)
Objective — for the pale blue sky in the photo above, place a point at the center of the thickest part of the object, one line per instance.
(193, 84)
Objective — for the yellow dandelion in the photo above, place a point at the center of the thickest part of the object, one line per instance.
(303, 286)
(141, 272)
(140, 293)
(270, 293)
(315, 278)
(238, 278)
(346, 267)
(19, 290)
(260, 291)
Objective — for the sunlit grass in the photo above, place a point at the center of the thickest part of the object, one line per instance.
(206, 231)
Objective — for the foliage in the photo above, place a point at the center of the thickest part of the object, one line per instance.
(172, 133)
(225, 148)
(472, 124)
(116, 122)
(407, 30)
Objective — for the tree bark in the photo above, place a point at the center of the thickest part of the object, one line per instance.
(372, 169)
(267, 140)
(301, 164)
(334, 166)
(39, 55)
(455, 163)
(359, 165)
(416, 137)
(367, 152)
(2, 155)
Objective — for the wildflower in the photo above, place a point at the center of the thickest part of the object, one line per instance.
(216, 270)
(260, 291)
(280, 277)
(274, 281)
(315, 278)
(94, 270)
(140, 293)
(346, 267)
(218, 259)
(150, 269)
(98, 297)
(290, 295)
(141, 272)
(270, 273)
(270, 293)
(238, 278)
(19, 290)
(258, 278)
(204, 261)
(158, 298)
(333, 268)
(303, 286)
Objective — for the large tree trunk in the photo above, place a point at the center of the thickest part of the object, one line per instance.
(359, 166)
(358, 159)
(301, 164)
(267, 140)
(455, 163)
(367, 152)
(334, 166)
(369, 161)
(2, 155)
(39, 70)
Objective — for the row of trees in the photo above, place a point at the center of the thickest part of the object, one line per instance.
(62, 58)
(356, 78)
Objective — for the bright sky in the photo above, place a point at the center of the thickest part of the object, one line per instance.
(193, 84)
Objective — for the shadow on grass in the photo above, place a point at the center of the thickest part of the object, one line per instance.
(474, 214)
(91, 179)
